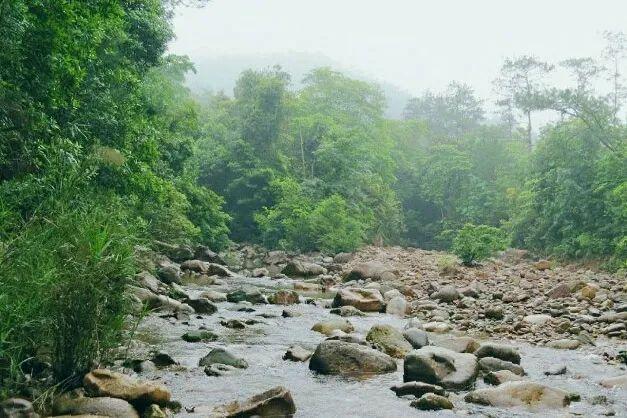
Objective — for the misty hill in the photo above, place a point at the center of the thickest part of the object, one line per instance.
(219, 73)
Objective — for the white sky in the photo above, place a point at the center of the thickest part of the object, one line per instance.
(416, 45)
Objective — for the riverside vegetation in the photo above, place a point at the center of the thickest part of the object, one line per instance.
(123, 193)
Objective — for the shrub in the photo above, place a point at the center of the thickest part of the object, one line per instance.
(61, 289)
(447, 265)
(477, 242)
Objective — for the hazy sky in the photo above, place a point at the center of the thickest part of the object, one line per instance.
(414, 44)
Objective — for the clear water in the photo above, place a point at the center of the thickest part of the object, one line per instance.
(263, 346)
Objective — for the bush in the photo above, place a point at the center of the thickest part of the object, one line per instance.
(297, 223)
(478, 242)
(62, 289)
(447, 265)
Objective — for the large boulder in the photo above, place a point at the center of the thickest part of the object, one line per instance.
(369, 270)
(202, 306)
(503, 352)
(416, 389)
(169, 272)
(284, 297)
(458, 344)
(148, 281)
(418, 338)
(615, 382)
(431, 402)
(350, 359)
(397, 306)
(76, 404)
(442, 367)
(197, 266)
(221, 356)
(327, 327)
(531, 395)
(102, 382)
(276, 402)
(17, 408)
(160, 302)
(205, 254)
(492, 364)
(366, 300)
(297, 268)
(389, 340)
(176, 252)
(251, 295)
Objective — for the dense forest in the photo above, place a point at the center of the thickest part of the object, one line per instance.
(103, 148)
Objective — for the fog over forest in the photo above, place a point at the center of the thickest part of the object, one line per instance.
(332, 208)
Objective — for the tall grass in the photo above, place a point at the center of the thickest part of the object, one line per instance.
(62, 280)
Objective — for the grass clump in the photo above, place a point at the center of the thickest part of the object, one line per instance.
(62, 280)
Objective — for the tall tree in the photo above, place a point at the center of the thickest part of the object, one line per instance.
(520, 85)
(615, 51)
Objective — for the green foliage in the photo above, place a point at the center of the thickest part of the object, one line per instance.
(299, 222)
(478, 242)
(62, 287)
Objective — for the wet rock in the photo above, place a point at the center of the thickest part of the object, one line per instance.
(17, 408)
(458, 344)
(196, 266)
(169, 272)
(615, 382)
(102, 382)
(233, 324)
(366, 300)
(260, 272)
(564, 344)
(447, 294)
(202, 306)
(290, 313)
(556, 370)
(161, 302)
(431, 402)
(276, 402)
(148, 281)
(297, 353)
(161, 359)
(219, 369)
(349, 359)
(328, 326)
(76, 404)
(416, 389)
(503, 352)
(198, 336)
(369, 270)
(214, 296)
(222, 356)
(499, 377)
(284, 297)
(397, 306)
(205, 254)
(441, 367)
(418, 338)
(390, 340)
(531, 395)
(296, 268)
(246, 295)
(492, 364)
(347, 311)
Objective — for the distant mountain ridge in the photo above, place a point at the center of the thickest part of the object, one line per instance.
(219, 73)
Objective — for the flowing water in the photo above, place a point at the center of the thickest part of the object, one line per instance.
(263, 345)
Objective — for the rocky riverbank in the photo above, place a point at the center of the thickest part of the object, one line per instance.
(380, 333)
